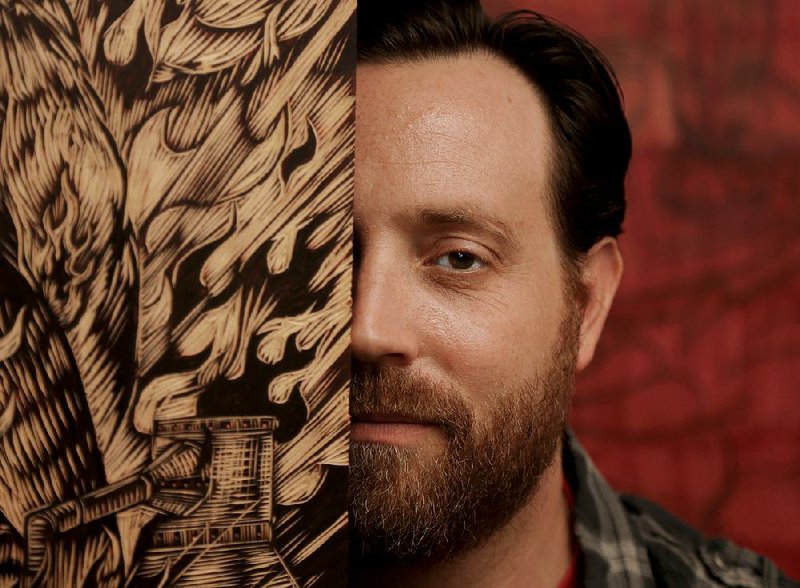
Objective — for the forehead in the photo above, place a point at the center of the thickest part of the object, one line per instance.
(467, 131)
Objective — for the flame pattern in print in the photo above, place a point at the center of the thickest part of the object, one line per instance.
(175, 255)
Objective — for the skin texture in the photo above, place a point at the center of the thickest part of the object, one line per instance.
(459, 275)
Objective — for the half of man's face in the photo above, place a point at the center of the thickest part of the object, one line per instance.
(464, 338)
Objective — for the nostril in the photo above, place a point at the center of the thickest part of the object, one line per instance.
(376, 338)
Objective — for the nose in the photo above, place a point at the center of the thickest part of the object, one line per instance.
(383, 328)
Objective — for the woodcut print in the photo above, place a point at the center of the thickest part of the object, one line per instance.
(175, 282)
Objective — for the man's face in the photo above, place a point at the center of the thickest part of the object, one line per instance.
(464, 337)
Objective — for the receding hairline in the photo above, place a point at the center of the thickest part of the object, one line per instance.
(493, 56)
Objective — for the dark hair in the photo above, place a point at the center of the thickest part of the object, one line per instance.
(577, 84)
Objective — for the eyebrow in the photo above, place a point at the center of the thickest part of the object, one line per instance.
(469, 217)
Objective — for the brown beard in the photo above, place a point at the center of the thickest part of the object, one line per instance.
(406, 506)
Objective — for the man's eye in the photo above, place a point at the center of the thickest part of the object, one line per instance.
(459, 260)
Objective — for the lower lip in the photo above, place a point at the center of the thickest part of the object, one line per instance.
(392, 433)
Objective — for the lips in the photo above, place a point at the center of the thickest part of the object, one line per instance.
(393, 429)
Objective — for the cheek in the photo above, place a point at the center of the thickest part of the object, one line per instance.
(488, 343)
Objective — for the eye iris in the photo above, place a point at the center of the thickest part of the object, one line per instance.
(461, 260)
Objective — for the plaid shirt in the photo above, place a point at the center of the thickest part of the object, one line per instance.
(629, 542)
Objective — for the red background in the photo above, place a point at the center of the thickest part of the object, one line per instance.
(693, 400)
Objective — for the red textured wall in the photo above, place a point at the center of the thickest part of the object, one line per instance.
(693, 400)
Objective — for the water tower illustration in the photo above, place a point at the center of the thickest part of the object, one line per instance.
(210, 485)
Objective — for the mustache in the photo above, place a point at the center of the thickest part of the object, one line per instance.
(397, 391)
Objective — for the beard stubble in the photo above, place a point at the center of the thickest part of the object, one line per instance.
(408, 505)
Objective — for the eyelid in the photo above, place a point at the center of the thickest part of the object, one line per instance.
(433, 246)
(453, 244)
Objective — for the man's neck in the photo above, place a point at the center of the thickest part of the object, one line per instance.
(532, 550)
